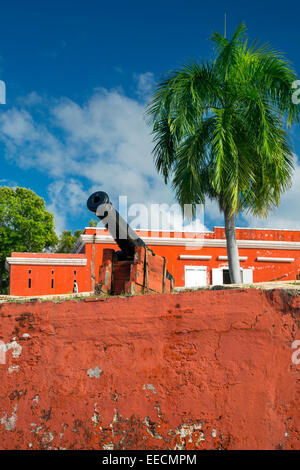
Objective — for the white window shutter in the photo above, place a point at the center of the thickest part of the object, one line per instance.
(217, 276)
(247, 276)
(195, 276)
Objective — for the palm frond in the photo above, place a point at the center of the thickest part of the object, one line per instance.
(220, 127)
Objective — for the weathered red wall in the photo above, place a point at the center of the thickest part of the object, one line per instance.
(199, 370)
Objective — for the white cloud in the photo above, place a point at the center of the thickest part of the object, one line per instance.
(103, 144)
(31, 99)
(145, 84)
(287, 215)
(8, 182)
(67, 198)
(17, 126)
(212, 214)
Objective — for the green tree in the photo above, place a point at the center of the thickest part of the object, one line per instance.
(67, 241)
(25, 226)
(93, 223)
(220, 131)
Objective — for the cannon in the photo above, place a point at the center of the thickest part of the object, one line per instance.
(135, 267)
(122, 233)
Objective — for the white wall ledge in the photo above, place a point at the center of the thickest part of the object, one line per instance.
(191, 242)
(275, 260)
(47, 261)
(199, 257)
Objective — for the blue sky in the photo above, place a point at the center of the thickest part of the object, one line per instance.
(78, 75)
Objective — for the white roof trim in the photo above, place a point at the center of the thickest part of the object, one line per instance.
(100, 227)
(47, 261)
(262, 228)
(225, 258)
(193, 242)
(275, 260)
(154, 230)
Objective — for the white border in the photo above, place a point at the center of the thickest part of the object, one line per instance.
(262, 228)
(275, 260)
(201, 257)
(191, 242)
(153, 230)
(48, 261)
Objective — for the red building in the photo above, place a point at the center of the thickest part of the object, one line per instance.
(194, 259)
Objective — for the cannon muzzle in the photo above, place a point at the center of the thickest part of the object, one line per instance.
(97, 199)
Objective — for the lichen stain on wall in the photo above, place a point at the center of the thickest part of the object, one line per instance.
(195, 370)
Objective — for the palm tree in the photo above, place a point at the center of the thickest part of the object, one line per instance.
(220, 131)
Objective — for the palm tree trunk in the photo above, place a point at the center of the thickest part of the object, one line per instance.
(232, 249)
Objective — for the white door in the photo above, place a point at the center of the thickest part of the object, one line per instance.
(217, 276)
(195, 276)
(247, 276)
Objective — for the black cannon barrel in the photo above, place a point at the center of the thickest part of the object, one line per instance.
(122, 233)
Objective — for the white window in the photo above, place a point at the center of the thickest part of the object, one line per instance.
(195, 276)
(221, 276)
(247, 276)
(217, 276)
